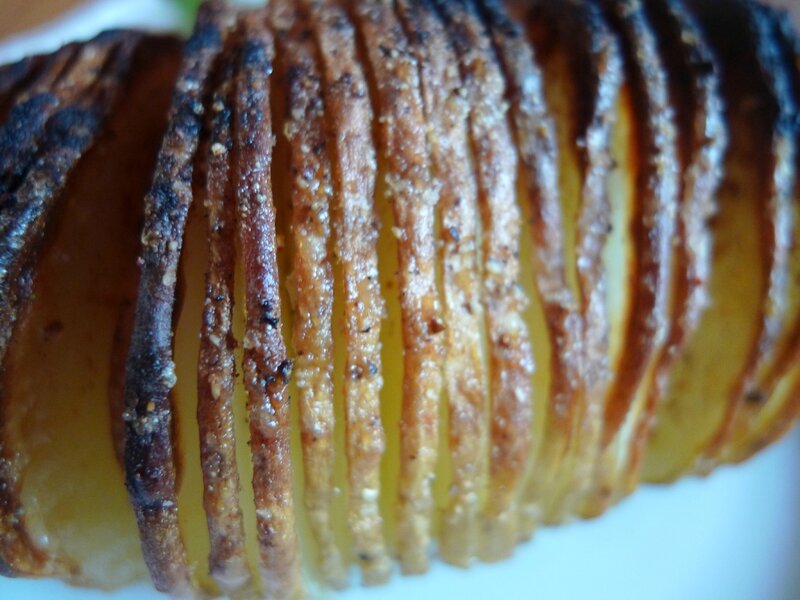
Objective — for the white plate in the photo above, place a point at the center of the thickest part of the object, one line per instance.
(733, 536)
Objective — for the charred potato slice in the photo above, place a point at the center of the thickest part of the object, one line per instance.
(694, 87)
(79, 263)
(582, 69)
(779, 235)
(764, 417)
(649, 238)
(150, 450)
(706, 382)
(552, 314)
(510, 354)
(463, 433)
(408, 187)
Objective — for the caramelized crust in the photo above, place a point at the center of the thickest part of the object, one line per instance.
(582, 67)
(27, 210)
(779, 232)
(15, 78)
(84, 93)
(446, 112)
(765, 416)
(312, 275)
(605, 190)
(216, 364)
(693, 74)
(510, 356)
(413, 196)
(266, 366)
(709, 378)
(150, 462)
(535, 137)
(349, 114)
(652, 231)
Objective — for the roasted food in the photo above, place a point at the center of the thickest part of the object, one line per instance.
(344, 283)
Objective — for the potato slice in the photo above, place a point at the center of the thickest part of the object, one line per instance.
(582, 68)
(552, 315)
(708, 378)
(58, 363)
(651, 167)
(402, 149)
(15, 78)
(778, 235)
(217, 362)
(774, 405)
(311, 279)
(510, 353)
(693, 77)
(150, 461)
(349, 113)
(464, 432)
(266, 366)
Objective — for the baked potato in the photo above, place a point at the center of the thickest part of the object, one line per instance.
(338, 283)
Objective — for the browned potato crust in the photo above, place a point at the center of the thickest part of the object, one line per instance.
(413, 196)
(709, 378)
(216, 363)
(583, 283)
(266, 366)
(464, 368)
(510, 356)
(312, 276)
(85, 96)
(582, 66)
(760, 420)
(693, 74)
(14, 78)
(778, 197)
(149, 453)
(652, 231)
(535, 136)
(349, 114)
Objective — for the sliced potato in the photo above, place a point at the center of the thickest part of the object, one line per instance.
(150, 460)
(708, 378)
(773, 403)
(15, 78)
(463, 464)
(651, 169)
(312, 280)
(552, 315)
(425, 200)
(410, 190)
(63, 342)
(227, 561)
(510, 353)
(582, 69)
(778, 235)
(349, 113)
(693, 78)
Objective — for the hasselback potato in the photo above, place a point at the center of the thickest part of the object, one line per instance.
(350, 283)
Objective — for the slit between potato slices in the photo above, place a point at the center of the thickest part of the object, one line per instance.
(244, 458)
(191, 514)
